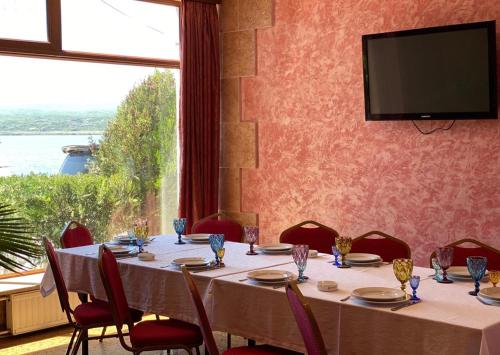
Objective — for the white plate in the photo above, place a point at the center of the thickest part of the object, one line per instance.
(269, 275)
(275, 252)
(362, 258)
(191, 262)
(196, 241)
(492, 293)
(460, 273)
(488, 300)
(385, 304)
(118, 249)
(197, 237)
(379, 294)
(274, 247)
(374, 263)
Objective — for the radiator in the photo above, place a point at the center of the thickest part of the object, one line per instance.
(29, 311)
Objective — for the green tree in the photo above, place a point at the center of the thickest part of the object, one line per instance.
(139, 143)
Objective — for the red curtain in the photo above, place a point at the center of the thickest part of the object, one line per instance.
(199, 126)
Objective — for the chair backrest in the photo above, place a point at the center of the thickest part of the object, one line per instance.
(62, 291)
(206, 329)
(232, 230)
(74, 235)
(305, 320)
(320, 237)
(388, 247)
(460, 253)
(111, 279)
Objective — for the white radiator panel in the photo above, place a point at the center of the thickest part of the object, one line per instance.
(30, 311)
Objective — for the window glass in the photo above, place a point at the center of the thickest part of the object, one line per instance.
(122, 27)
(23, 20)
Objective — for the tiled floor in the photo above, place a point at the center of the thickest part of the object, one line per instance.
(54, 341)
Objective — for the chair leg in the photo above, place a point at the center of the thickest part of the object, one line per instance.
(157, 316)
(78, 342)
(228, 341)
(251, 342)
(206, 351)
(197, 350)
(70, 345)
(102, 335)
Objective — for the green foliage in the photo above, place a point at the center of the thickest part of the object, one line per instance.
(139, 143)
(46, 120)
(17, 246)
(48, 202)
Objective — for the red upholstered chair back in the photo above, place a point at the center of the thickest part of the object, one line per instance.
(388, 247)
(320, 238)
(233, 232)
(74, 235)
(62, 291)
(206, 330)
(460, 253)
(305, 320)
(111, 279)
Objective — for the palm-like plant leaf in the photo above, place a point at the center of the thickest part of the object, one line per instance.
(17, 245)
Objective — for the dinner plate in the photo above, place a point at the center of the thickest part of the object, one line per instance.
(373, 263)
(492, 293)
(460, 273)
(197, 237)
(191, 262)
(269, 275)
(488, 300)
(362, 258)
(385, 304)
(118, 249)
(379, 294)
(275, 247)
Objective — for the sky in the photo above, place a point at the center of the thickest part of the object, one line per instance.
(126, 27)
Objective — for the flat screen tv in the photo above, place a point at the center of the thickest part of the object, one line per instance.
(446, 72)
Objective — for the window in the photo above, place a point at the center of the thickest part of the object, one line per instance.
(24, 20)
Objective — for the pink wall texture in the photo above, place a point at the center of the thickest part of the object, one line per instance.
(318, 158)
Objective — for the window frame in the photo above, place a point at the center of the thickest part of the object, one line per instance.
(52, 49)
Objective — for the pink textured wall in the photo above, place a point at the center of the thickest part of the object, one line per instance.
(318, 158)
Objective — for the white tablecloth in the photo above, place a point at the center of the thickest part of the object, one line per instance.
(448, 321)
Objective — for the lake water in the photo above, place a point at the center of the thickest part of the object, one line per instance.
(21, 155)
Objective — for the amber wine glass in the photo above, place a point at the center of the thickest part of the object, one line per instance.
(403, 269)
(494, 277)
(220, 254)
(343, 245)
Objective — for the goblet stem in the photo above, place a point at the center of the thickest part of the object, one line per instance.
(444, 278)
(343, 264)
(403, 286)
(476, 288)
(336, 260)
(301, 275)
(179, 240)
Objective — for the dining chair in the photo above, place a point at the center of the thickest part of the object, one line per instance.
(86, 315)
(461, 252)
(165, 334)
(206, 329)
(305, 320)
(75, 234)
(380, 243)
(319, 237)
(219, 223)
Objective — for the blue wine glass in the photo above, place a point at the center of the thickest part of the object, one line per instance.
(216, 242)
(477, 268)
(179, 226)
(336, 254)
(414, 282)
(140, 244)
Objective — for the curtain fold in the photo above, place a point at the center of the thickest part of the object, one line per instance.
(199, 119)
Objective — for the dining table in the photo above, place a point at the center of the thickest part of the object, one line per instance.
(447, 321)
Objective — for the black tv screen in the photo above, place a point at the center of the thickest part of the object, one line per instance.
(444, 72)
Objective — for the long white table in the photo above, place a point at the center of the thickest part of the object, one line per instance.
(448, 321)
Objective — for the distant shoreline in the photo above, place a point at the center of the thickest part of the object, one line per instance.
(52, 133)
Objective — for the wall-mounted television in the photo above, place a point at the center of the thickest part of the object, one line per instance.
(446, 72)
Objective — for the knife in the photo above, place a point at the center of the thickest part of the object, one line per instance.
(408, 304)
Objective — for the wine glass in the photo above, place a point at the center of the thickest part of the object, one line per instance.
(179, 226)
(445, 257)
(251, 236)
(141, 232)
(220, 254)
(336, 254)
(414, 282)
(343, 245)
(216, 242)
(300, 252)
(402, 269)
(494, 277)
(477, 268)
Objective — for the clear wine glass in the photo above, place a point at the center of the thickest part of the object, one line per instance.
(251, 236)
(300, 252)
(179, 227)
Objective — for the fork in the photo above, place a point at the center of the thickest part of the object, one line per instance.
(345, 298)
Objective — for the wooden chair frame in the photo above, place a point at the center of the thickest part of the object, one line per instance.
(466, 240)
(129, 323)
(317, 224)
